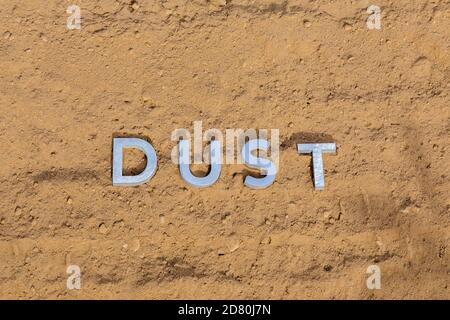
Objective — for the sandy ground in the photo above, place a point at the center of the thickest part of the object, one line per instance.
(308, 68)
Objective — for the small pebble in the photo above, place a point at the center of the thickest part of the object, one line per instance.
(102, 228)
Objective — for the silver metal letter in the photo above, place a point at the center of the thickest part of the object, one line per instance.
(118, 178)
(185, 160)
(317, 149)
(267, 166)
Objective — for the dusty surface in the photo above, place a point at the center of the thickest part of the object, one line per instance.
(309, 68)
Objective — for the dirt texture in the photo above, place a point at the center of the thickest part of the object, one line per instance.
(311, 69)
